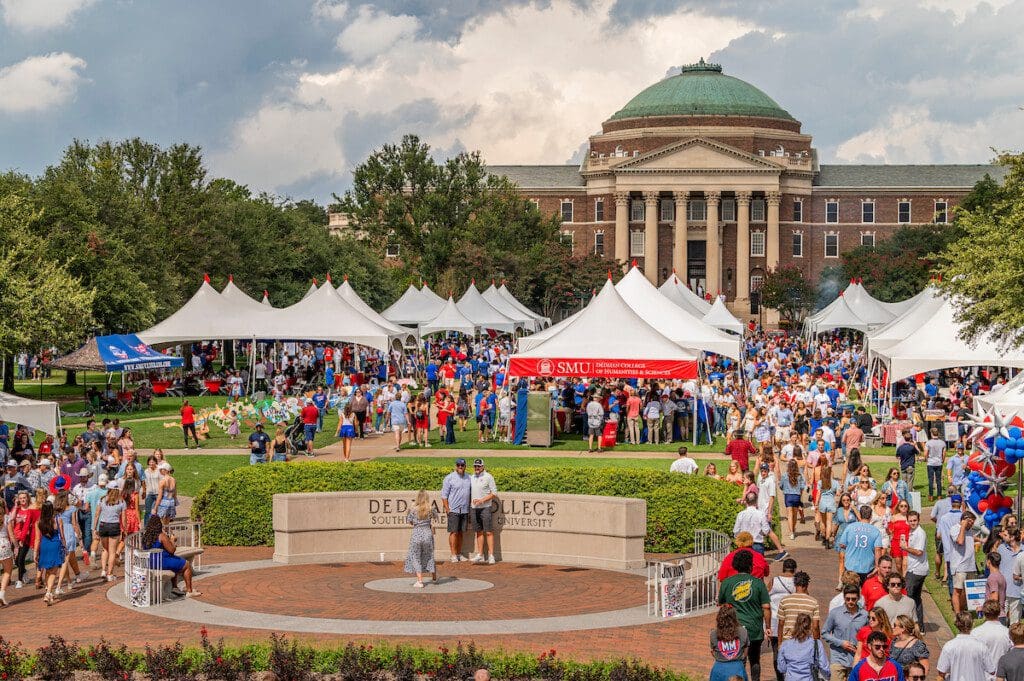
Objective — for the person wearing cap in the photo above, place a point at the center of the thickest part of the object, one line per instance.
(258, 442)
(483, 492)
(595, 422)
(90, 502)
(456, 491)
(167, 494)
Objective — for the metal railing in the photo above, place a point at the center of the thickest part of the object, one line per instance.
(688, 585)
(143, 583)
(188, 534)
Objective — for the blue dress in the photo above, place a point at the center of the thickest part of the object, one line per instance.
(51, 551)
(165, 560)
(70, 539)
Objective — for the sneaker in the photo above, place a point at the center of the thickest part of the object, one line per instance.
(18, 584)
(3, 598)
(490, 560)
(418, 585)
(792, 536)
(86, 559)
(460, 557)
(454, 559)
(476, 558)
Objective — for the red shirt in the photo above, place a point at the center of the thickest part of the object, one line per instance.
(890, 671)
(24, 521)
(760, 569)
(872, 591)
(740, 451)
(310, 414)
(328, 354)
(188, 415)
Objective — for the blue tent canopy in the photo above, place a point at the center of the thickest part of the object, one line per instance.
(118, 353)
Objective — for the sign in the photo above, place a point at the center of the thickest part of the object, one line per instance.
(520, 513)
(602, 368)
(952, 431)
(672, 584)
(975, 590)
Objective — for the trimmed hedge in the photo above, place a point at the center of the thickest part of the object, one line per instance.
(237, 507)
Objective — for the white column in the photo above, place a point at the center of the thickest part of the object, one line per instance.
(622, 228)
(742, 246)
(772, 247)
(651, 236)
(679, 254)
(714, 251)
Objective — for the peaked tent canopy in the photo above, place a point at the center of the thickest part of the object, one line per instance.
(928, 303)
(266, 299)
(680, 294)
(414, 307)
(870, 309)
(672, 321)
(507, 295)
(312, 289)
(349, 294)
(430, 295)
(720, 318)
(44, 416)
(608, 339)
(1008, 399)
(477, 310)
(205, 316)
(935, 344)
(117, 353)
(449, 319)
(235, 295)
(528, 320)
(837, 315)
(525, 343)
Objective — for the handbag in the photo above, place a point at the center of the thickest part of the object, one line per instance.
(815, 671)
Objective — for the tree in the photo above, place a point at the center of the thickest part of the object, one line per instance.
(984, 267)
(41, 302)
(786, 290)
(898, 268)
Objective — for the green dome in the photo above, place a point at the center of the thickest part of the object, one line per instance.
(702, 90)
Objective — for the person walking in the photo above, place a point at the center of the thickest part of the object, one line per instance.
(188, 423)
(456, 491)
(740, 450)
(992, 634)
(802, 656)
(751, 519)
(749, 596)
(346, 430)
(420, 557)
(310, 416)
(916, 563)
(840, 632)
(792, 486)
(935, 457)
(1011, 665)
(49, 548)
(965, 657)
(795, 604)
(861, 545)
(729, 644)
(876, 665)
(398, 413)
(257, 446)
(907, 647)
(896, 602)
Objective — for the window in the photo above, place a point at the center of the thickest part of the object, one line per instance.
(757, 244)
(567, 239)
(755, 281)
(636, 244)
(391, 250)
(867, 211)
(904, 212)
(599, 242)
(941, 212)
(599, 210)
(831, 245)
(697, 210)
(798, 211)
(757, 210)
(636, 210)
(668, 210)
(867, 239)
(566, 210)
(536, 203)
(832, 211)
(798, 244)
(728, 210)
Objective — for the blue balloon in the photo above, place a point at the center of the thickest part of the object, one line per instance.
(1012, 456)
(1019, 443)
(1014, 432)
(1001, 443)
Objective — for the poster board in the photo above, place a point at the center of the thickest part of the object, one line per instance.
(538, 419)
(975, 590)
(951, 431)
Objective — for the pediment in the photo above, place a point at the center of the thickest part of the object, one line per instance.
(698, 154)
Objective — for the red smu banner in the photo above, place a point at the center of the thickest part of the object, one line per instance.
(602, 368)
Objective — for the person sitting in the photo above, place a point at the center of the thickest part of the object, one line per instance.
(154, 537)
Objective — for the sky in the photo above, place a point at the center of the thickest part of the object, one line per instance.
(288, 96)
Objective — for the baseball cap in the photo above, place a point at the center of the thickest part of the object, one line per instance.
(45, 462)
(164, 466)
(103, 480)
(84, 473)
(956, 499)
(25, 462)
(764, 467)
(12, 464)
(259, 425)
(478, 462)
(460, 461)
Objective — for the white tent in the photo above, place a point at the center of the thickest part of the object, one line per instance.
(206, 316)
(237, 296)
(720, 318)
(935, 345)
(672, 321)
(326, 316)
(1010, 398)
(449, 319)
(837, 315)
(529, 320)
(312, 289)
(901, 307)
(607, 339)
(928, 303)
(868, 308)
(680, 294)
(477, 310)
(44, 416)
(266, 299)
(507, 295)
(414, 307)
(349, 294)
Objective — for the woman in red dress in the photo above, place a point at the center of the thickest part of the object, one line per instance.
(877, 621)
(899, 533)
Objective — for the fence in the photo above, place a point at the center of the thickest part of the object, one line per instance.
(688, 585)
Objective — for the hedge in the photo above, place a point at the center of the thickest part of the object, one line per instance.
(236, 508)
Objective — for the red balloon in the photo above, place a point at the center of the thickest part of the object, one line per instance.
(983, 505)
(1007, 502)
(974, 465)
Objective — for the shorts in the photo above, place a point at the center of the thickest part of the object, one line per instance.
(782, 432)
(595, 430)
(792, 501)
(109, 530)
(960, 579)
(458, 523)
(309, 430)
(482, 519)
(348, 431)
(398, 427)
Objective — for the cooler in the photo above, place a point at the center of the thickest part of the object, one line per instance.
(608, 434)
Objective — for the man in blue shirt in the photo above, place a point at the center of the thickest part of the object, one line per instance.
(320, 402)
(861, 545)
(956, 468)
(431, 372)
(840, 631)
(456, 491)
(258, 442)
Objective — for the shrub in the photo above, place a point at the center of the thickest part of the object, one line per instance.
(167, 663)
(13, 660)
(111, 664)
(218, 664)
(290, 662)
(237, 507)
(57, 661)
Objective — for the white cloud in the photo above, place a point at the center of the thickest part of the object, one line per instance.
(28, 15)
(38, 83)
(330, 10)
(374, 33)
(523, 86)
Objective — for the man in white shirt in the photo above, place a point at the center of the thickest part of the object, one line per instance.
(767, 488)
(959, 541)
(993, 635)
(751, 519)
(483, 491)
(965, 658)
(595, 421)
(684, 464)
(917, 561)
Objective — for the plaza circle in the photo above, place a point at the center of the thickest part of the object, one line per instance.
(348, 599)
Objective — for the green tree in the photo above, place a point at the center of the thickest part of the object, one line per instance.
(899, 267)
(984, 267)
(788, 291)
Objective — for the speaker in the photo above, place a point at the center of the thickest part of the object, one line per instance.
(755, 302)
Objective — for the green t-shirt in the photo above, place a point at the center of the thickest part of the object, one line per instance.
(748, 595)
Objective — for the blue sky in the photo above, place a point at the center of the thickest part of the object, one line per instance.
(288, 96)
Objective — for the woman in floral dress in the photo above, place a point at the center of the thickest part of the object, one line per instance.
(420, 558)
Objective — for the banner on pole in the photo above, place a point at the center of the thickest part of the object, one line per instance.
(602, 368)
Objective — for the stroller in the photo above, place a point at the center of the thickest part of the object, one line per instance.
(295, 434)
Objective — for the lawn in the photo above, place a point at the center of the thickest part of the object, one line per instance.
(195, 471)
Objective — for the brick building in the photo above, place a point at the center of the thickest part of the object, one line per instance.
(704, 174)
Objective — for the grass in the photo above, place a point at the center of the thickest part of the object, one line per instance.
(937, 589)
(194, 471)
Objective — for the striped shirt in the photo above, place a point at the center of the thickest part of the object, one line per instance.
(792, 605)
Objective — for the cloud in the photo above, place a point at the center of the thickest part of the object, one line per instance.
(373, 33)
(38, 83)
(31, 15)
(523, 86)
(330, 10)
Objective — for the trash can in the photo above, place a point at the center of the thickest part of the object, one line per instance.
(608, 434)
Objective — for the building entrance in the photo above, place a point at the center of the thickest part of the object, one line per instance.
(696, 272)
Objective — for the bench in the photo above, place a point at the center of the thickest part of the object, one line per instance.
(146, 585)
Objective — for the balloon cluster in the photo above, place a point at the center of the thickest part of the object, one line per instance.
(991, 464)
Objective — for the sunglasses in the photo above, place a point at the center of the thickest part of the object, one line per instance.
(878, 646)
(916, 676)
